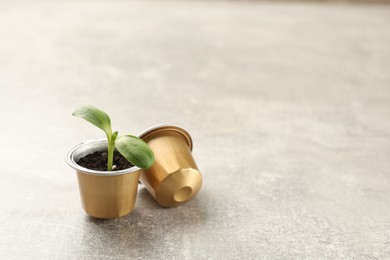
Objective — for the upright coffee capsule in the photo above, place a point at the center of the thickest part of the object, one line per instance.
(174, 177)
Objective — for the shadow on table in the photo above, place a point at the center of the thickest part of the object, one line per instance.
(149, 225)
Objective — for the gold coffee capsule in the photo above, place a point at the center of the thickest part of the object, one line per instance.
(174, 177)
(108, 196)
(104, 194)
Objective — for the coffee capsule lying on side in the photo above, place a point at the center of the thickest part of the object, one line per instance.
(174, 177)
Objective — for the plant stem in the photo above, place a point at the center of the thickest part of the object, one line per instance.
(110, 153)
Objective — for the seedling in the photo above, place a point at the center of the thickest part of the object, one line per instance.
(134, 149)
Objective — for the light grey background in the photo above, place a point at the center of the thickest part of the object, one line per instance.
(288, 105)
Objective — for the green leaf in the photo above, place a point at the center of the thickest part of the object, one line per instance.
(96, 117)
(114, 136)
(135, 150)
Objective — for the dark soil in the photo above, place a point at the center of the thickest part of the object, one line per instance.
(98, 161)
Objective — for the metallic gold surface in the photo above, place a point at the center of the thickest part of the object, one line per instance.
(104, 194)
(108, 196)
(174, 177)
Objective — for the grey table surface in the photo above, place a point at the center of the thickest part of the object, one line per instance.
(288, 105)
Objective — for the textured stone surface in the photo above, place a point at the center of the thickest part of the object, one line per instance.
(288, 105)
